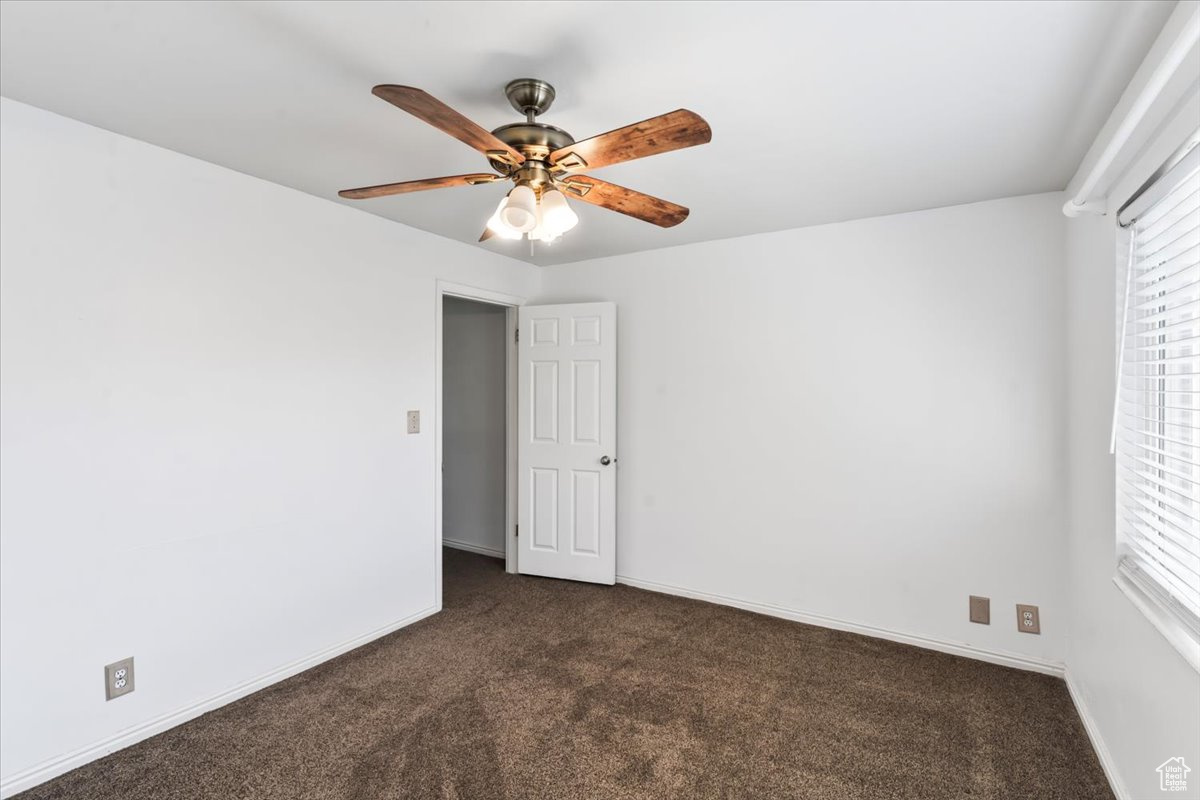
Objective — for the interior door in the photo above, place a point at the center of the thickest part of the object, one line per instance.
(567, 433)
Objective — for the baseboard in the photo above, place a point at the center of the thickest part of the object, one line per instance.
(1093, 731)
(52, 768)
(473, 548)
(954, 648)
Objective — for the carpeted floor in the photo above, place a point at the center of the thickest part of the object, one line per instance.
(535, 688)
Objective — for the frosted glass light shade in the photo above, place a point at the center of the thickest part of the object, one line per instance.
(520, 210)
(541, 232)
(556, 213)
(497, 226)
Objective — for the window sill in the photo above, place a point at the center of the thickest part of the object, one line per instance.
(1161, 617)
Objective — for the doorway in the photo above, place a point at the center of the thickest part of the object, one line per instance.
(475, 428)
(564, 496)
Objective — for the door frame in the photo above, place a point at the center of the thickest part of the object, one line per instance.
(510, 302)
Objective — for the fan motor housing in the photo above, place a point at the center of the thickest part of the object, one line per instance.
(536, 134)
(534, 140)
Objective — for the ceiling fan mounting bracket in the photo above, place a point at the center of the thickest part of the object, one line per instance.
(574, 187)
(571, 162)
(531, 96)
(502, 161)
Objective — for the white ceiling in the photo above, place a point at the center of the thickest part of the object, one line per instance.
(820, 111)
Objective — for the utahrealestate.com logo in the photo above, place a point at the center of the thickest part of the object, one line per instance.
(1172, 775)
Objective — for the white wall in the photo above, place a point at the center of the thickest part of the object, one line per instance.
(474, 425)
(860, 421)
(204, 457)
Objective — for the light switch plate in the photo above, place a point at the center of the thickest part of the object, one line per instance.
(414, 422)
(1027, 619)
(981, 610)
(118, 678)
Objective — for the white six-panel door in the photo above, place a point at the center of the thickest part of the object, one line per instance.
(566, 452)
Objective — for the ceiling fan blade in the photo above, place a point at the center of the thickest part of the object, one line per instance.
(487, 234)
(649, 137)
(425, 106)
(662, 213)
(385, 189)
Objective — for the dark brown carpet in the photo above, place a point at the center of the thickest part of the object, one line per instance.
(534, 688)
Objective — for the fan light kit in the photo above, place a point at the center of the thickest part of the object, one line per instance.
(545, 162)
(522, 213)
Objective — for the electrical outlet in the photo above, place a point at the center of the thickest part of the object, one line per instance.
(118, 678)
(1027, 619)
(981, 610)
(414, 422)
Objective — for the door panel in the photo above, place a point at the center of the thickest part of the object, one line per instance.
(566, 506)
(544, 393)
(585, 405)
(585, 516)
(543, 501)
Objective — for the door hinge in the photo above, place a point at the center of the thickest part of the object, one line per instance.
(517, 335)
(516, 530)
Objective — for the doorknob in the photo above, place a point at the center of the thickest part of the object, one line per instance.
(605, 460)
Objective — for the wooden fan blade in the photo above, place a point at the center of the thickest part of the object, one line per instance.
(425, 106)
(404, 187)
(649, 137)
(487, 234)
(662, 213)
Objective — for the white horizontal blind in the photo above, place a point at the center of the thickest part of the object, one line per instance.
(1158, 436)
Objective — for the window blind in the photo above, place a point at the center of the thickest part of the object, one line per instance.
(1158, 401)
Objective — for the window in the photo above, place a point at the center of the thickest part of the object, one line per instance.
(1157, 419)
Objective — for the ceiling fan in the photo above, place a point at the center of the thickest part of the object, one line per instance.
(545, 162)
